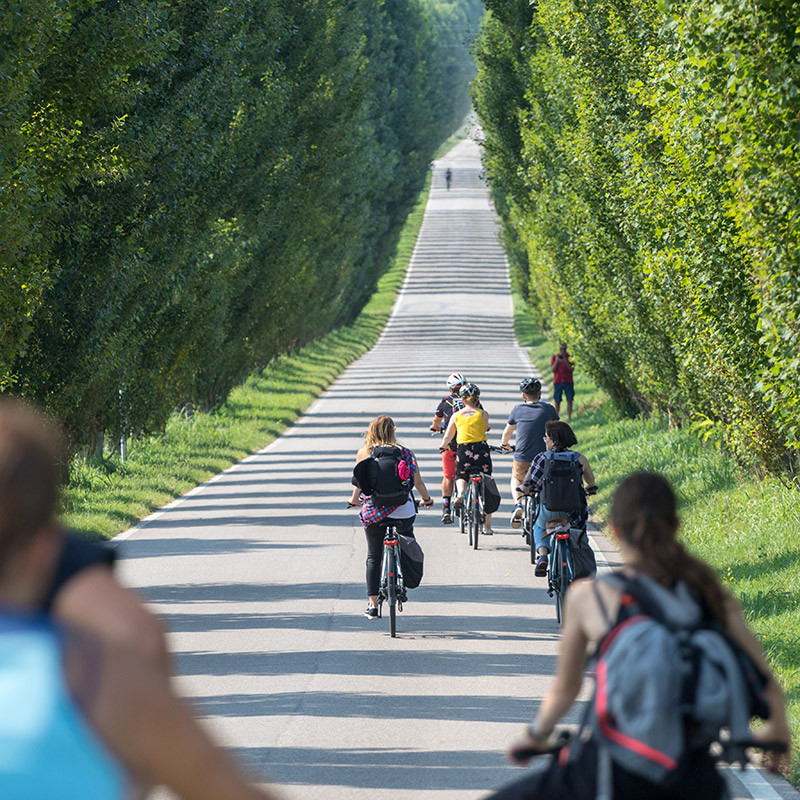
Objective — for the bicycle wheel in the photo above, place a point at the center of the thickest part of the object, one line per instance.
(475, 518)
(391, 590)
(531, 510)
(466, 514)
(562, 578)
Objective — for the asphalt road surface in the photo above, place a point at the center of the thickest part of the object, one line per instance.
(259, 574)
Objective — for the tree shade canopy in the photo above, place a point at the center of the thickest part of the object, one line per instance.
(188, 188)
(644, 157)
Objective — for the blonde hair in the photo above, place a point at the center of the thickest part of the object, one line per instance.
(381, 431)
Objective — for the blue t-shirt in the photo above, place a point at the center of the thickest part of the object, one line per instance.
(530, 419)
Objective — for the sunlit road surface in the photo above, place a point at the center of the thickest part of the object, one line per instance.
(259, 574)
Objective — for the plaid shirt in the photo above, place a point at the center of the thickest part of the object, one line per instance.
(534, 481)
(371, 514)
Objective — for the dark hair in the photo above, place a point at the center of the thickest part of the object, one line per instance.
(30, 475)
(644, 511)
(562, 435)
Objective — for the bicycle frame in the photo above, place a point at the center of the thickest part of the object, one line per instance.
(473, 507)
(392, 587)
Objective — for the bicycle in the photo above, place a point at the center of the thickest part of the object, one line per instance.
(560, 573)
(392, 589)
(472, 514)
(530, 511)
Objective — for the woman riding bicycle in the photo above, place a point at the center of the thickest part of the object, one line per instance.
(381, 434)
(644, 521)
(469, 426)
(558, 437)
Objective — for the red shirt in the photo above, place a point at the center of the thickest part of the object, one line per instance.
(563, 371)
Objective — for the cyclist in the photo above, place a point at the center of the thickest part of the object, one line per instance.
(644, 520)
(558, 436)
(441, 418)
(527, 420)
(382, 433)
(469, 426)
(80, 716)
(448, 177)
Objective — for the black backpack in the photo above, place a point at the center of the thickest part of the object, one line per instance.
(412, 560)
(386, 476)
(562, 482)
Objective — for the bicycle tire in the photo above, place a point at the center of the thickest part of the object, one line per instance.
(391, 591)
(530, 519)
(475, 499)
(563, 580)
(466, 514)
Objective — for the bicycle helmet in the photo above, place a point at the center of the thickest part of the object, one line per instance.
(530, 386)
(469, 390)
(455, 380)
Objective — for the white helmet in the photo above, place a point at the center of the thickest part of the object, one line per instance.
(456, 379)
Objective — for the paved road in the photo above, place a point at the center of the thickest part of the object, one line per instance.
(259, 574)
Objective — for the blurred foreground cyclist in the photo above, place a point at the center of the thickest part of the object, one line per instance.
(81, 718)
(644, 520)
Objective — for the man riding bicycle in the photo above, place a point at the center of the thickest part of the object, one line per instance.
(441, 418)
(527, 419)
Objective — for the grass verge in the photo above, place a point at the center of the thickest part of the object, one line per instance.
(747, 529)
(105, 498)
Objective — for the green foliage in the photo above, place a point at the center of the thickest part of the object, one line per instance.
(189, 189)
(643, 157)
(105, 496)
(746, 528)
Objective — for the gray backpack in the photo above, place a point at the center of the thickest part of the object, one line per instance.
(668, 680)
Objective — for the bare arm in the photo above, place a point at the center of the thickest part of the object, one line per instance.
(486, 422)
(588, 475)
(776, 728)
(508, 432)
(93, 601)
(156, 736)
(436, 423)
(450, 432)
(569, 671)
(419, 485)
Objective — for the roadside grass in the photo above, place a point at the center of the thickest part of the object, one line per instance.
(747, 529)
(106, 497)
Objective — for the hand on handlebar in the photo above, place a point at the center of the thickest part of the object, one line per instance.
(427, 503)
(508, 448)
(529, 747)
(591, 490)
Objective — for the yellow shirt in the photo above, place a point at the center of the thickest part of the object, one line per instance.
(470, 429)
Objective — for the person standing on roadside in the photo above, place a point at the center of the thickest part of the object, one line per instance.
(562, 365)
(441, 419)
(527, 420)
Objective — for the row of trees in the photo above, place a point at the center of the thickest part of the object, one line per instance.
(645, 158)
(188, 188)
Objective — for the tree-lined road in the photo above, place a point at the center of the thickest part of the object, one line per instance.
(259, 574)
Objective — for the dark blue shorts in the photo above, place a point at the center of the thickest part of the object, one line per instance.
(567, 388)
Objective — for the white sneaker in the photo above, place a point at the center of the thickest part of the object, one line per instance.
(516, 518)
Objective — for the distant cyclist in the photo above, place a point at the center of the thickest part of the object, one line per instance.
(527, 421)
(441, 418)
(469, 426)
(381, 437)
(448, 177)
(558, 437)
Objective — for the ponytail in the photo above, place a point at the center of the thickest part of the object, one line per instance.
(644, 511)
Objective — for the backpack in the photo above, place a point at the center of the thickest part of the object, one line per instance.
(668, 679)
(584, 563)
(386, 476)
(562, 481)
(491, 495)
(411, 560)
